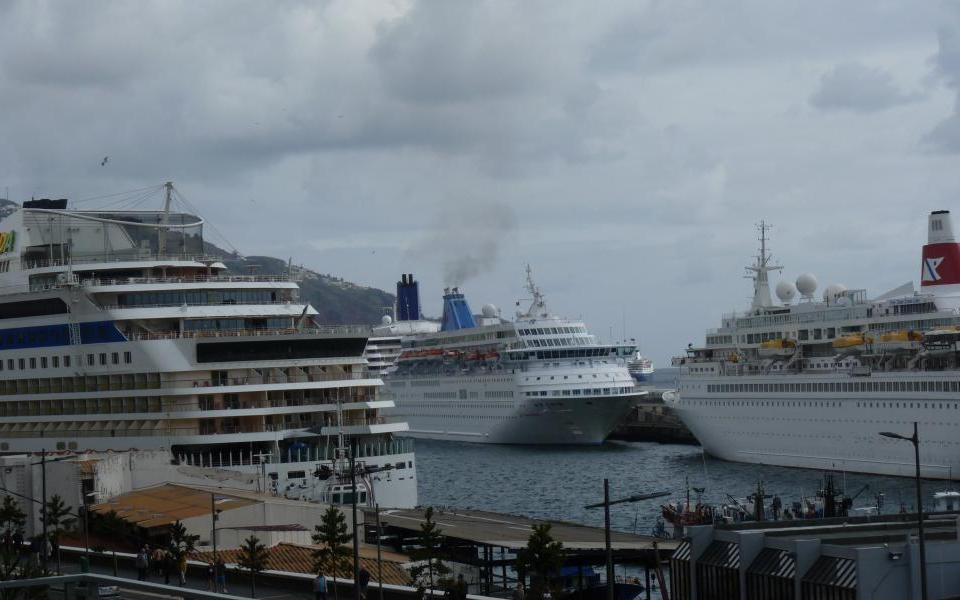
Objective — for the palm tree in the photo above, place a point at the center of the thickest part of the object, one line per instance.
(430, 539)
(253, 556)
(331, 534)
(181, 542)
(542, 557)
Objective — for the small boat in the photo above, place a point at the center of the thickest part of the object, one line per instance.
(852, 343)
(777, 348)
(895, 341)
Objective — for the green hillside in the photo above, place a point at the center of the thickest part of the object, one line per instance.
(338, 301)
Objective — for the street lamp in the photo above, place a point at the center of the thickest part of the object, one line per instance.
(915, 440)
(606, 525)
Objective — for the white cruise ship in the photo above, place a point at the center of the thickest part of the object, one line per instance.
(118, 332)
(539, 379)
(812, 383)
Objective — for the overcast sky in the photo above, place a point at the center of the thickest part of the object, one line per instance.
(624, 149)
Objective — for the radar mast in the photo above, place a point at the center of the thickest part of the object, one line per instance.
(758, 271)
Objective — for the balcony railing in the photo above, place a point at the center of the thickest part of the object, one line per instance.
(350, 330)
(310, 454)
(75, 261)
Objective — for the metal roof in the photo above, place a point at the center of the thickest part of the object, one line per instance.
(833, 571)
(164, 504)
(772, 562)
(511, 531)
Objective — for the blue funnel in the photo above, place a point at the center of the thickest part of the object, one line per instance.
(408, 298)
(456, 312)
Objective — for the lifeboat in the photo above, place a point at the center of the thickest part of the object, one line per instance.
(900, 340)
(491, 356)
(774, 348)
(432, 353)
(473, 355)
(852, 343)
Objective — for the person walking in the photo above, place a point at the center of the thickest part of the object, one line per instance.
(156, 561)
(182, 568)
(519, 593)
(364, 581)
(221, 572)
(320, 587)
(143, 563)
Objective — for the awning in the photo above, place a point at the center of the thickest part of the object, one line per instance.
(721, 554)
(772, 562)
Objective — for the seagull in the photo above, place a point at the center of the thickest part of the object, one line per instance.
(105, 160)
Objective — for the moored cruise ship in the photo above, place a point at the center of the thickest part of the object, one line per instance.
(118, 332)
(539, 379)
(812, 383)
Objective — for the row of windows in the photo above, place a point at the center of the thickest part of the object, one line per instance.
(198, 297)
(847, 386)
(232, 324)
(552, 330)
(80, 383)
(583, 392)
(821, 404)
(81, 406)
(54, 362)
(457, 406)
(498, 394)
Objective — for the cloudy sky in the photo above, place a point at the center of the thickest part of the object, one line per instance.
(625, 149)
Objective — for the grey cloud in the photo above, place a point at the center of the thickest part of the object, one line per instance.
(860, 88)
(945, 136)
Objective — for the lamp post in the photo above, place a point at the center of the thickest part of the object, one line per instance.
(915, 440)
(606, 526)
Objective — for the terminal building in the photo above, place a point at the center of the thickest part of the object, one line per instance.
(829, 559)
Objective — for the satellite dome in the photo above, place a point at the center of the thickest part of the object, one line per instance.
(489, 311)
(807, 285)
(833, 292)
(386, 320)
(786, 291)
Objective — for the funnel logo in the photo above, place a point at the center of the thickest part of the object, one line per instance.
(930, 266)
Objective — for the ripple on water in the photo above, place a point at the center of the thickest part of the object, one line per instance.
(557, 482)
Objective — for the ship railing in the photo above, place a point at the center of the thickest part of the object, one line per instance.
(188, 304)
(308, 453)
(351, 330)
(76, 260)
(195, 279)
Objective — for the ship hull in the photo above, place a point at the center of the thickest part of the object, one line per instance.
(828, 430)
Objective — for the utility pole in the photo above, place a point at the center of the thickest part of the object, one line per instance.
(376, 510)
(43, 507)
(606, 526)
(213, 524)
(353, 504)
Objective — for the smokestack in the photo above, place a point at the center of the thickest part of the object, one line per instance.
(940, 269)
(456, 311)
(408, 298)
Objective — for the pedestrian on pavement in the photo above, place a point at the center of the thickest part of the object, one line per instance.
(519, 593)
(211, 577)
(182, 568)
(320, 587)
(221, 571)
(364, 581)
(156, 560)
(143, 563)
(168, 566)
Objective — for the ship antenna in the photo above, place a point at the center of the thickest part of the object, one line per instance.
(162, 232)
(758, 271)
(538, 305)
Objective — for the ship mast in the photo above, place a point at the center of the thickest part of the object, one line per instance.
(758, 271)
(164, 220)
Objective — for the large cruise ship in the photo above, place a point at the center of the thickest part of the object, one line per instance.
(812, 383)
(118, 331)
(539, 379)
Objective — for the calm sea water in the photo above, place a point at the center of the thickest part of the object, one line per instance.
(557, 483)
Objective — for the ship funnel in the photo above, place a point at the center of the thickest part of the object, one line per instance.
(408, 298)
(456, 311)
(940, 269)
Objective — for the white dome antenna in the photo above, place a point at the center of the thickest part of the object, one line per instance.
(833, 291)
(786, 292)
(489, 311)
(807, 285)
(386, 320)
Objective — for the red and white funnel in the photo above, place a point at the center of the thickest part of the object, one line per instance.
(940, 270)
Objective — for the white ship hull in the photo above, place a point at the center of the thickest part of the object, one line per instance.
(837, 429)
(496, 410)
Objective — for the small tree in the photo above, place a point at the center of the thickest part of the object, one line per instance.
(12, 519)
(253, 556)
(542, 557)
(59, 521)
(430, 568)
(331, 534)
(181, 542)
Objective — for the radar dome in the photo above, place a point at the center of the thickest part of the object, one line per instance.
(386, 320)
(489, 311)
(786, 291)
(833, 292)
(807, 285)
